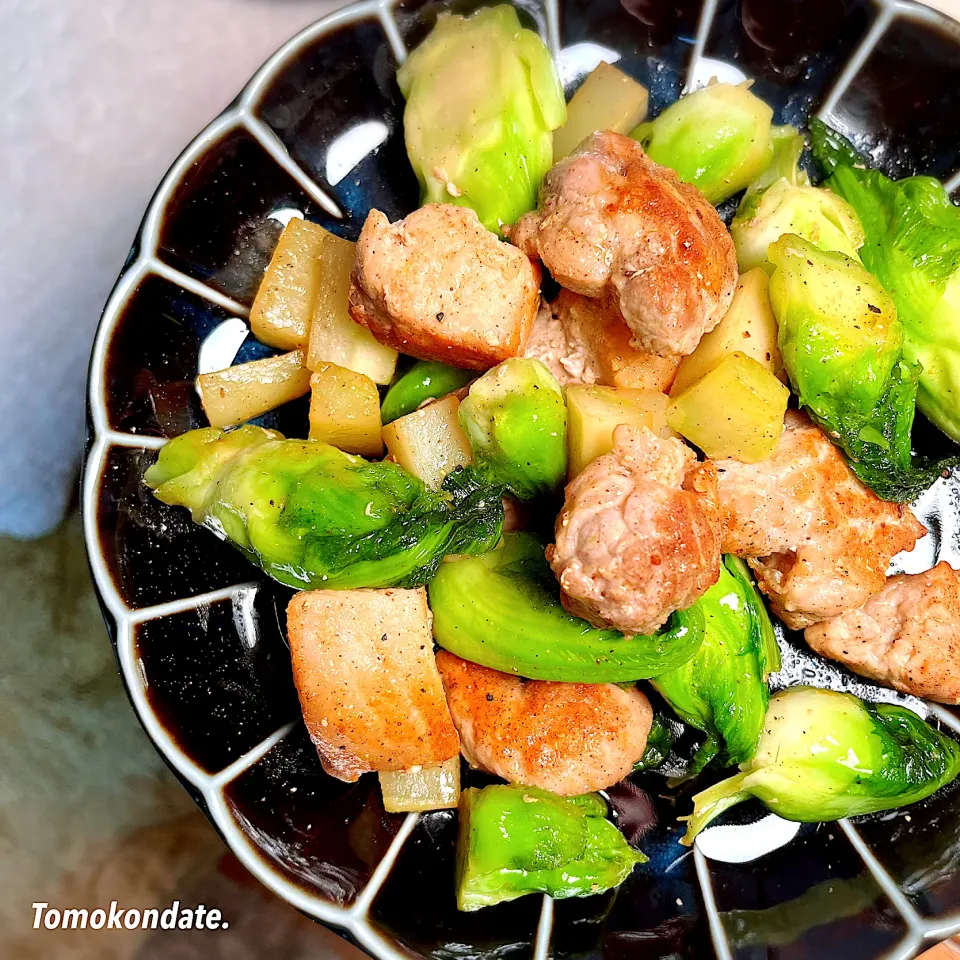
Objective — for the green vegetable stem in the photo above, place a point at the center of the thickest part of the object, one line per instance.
(515, 418)
(516, 840)
(826, 755)
(502, 610)
(483, 98)
(659, 745)
(722, 688)
(312, 516)
(425, 380)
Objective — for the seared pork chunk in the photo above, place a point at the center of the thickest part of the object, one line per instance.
(587, 341)
(819, 541)
(569, 738)
(439, 286)
(368, 684)
(612, 224)
(907, 636)
(639, 533)
(566, 357)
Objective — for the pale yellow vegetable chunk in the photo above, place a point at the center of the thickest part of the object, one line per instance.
(735, 410)
(247, 390)
(280, 315)
(607, 100)
(429, 442)
(426, 788)
(593, 413)
(748, 326)
(345, 410)
(334, 337)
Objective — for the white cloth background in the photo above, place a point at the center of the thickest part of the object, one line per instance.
(98, 98)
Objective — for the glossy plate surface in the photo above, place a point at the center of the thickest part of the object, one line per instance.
(199, 633)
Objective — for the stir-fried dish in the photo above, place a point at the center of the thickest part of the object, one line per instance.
(540, 532)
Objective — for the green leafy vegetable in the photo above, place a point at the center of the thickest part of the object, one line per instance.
(516, 840)
(425, 380)
(842, 347)
(659, 745)
(781, 201)
(913, 247)
(826, 755)
(515, 418)
(718, 138)
(502, 610)
(788, 144)
(722, 688)
(482, 96)
(312, 516)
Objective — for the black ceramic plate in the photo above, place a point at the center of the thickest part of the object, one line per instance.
(199, 633)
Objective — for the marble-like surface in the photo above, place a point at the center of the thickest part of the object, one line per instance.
(89, 813)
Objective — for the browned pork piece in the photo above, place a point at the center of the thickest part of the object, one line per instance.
(369, 689)
(906, 636)
(566, 357)
(586, 341)
(639, 533)
(818, 540)
(439, 286)
(612, 224)
(569, 738)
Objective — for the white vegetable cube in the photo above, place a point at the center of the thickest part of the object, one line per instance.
(345, 410)
(748, 327)
(248, 390)
(735, 410)
(607, 100)
(281, 311)
(427, 788)
(595, 412)
(430, 442)
(334, 337)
